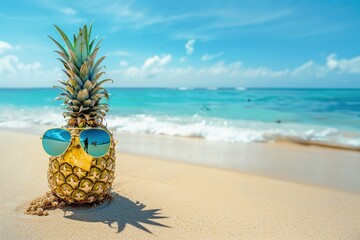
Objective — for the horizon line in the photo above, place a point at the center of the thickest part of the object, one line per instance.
(190, 88)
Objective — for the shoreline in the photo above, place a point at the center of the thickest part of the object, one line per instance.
(326, 167)
(160, 199)
(318, 144)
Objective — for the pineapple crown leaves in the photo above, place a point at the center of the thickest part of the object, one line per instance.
(82, 93)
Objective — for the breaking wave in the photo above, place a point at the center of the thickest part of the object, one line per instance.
(212, 129)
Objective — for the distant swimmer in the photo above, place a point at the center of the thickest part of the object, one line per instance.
(278, 121)
(205, 108)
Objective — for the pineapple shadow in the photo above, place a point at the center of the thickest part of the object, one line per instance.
(120, 210)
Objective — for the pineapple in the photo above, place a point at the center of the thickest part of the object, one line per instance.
(86, 106)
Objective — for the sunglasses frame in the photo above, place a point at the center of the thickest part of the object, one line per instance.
(74, 135)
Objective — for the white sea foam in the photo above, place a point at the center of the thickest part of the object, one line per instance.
(232, 131)
(22, 118)
(212, 129)
(184, 88)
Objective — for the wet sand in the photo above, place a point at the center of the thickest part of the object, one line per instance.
(321, 166)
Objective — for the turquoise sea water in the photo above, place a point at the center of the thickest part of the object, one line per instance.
(230, 115)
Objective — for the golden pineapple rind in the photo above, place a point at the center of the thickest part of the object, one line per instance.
(76, 185)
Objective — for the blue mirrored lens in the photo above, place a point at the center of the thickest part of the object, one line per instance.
(96, 142)
(56, 141)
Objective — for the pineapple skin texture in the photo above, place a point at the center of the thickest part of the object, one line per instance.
(78, 186)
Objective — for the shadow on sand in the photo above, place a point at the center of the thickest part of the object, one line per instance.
(120, 210)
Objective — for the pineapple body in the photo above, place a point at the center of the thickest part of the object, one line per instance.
(76, 185)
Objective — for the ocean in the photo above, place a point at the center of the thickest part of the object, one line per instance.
(324, 116)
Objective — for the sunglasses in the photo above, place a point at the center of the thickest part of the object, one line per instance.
(94, 141)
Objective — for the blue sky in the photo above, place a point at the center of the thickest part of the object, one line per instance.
(190, 43)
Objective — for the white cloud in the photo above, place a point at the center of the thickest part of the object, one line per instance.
(182, 59)
(132, 71)
(68, 11)
(14, 72)
(236, 70)
(351, 66)
(120, 53)
(4, 46)
(208, 57)
(331, 61)
(157, 60)
(189, 46)
(215, 74)
(151, 67)
(226, 74)
(11, 64)
(123, 63)
(155, 71)
(306, 68)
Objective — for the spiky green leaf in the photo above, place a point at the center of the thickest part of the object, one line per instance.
(75, 102)
(92, 57)
(70, 90)
(61, 48)
(75, 59)
(83, 109)
(95, 73)
(62, 82)
(96, 97)
(76, 78)
(74, 108)
(65, 57)
(87, 103)
(98, 62)
(104, 81)
(65, 38)
(84, 72)
(83, 95)
(96, 90)
(97, 76)
(97, 45)
(88, 85)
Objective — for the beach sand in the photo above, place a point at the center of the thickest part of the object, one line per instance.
(159, 199)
